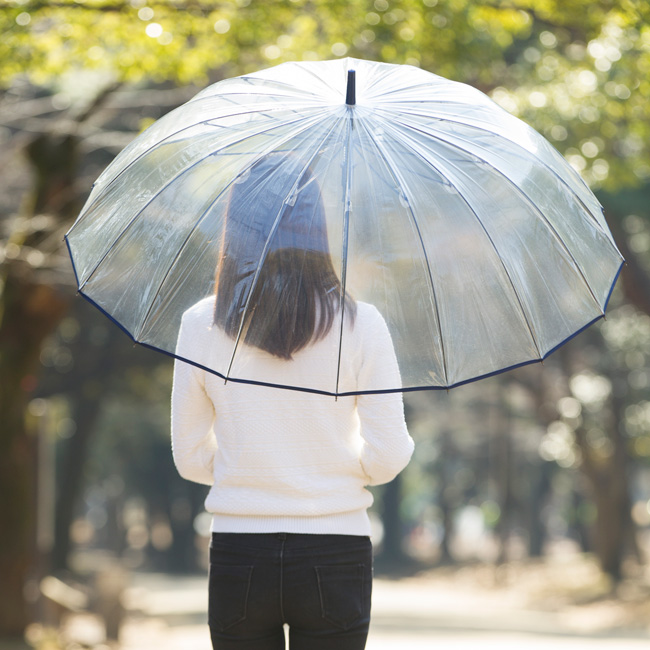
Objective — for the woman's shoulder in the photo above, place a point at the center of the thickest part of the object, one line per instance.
(367, 315)
(198, 331)
(201, 312)
(370, 326)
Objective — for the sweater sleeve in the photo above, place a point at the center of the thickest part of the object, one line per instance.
(387, 445)
(193, 441)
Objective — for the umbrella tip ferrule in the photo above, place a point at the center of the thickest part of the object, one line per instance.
(350, 96)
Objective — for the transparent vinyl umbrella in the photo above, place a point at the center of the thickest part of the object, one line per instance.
(475, 240)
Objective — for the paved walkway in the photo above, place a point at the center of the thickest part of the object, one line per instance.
(411, 614)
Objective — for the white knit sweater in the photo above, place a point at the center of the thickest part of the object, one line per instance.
(283, 460)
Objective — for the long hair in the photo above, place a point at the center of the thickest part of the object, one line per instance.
(275, 282)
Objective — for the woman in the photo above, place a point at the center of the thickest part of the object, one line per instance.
(288, 469)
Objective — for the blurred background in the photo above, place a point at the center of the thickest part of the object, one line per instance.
(531, 487)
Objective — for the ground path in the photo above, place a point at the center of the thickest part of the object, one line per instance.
(565, 607)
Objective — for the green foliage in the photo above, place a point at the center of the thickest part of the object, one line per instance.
(581, 81)
(185, 40)
(577, 70)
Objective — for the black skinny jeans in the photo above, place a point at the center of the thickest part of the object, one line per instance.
(319, 585)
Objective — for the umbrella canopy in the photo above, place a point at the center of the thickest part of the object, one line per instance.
(476, 241)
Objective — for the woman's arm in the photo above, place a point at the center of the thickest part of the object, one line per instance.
(193, 441)
(387, 445)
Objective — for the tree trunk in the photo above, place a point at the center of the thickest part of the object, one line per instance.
(183, 554)
(502, 463)
(608, 483)
(30, 309)
(635, 279)
(607, 474)
(580, 526)
(392, 551)
(86, 411)
(446, 504)
(539, 489)
(16, 509)
(30, 312)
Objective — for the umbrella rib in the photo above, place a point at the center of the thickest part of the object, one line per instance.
(251, 80)
(416, 151)
(264, 252)
(516, 144)
(312, 99)
(162, 189)
(318, 78)
(209, 120)
(275, 99)
(344, 242)
(400, 183)
(430, 84)
(283, 84)
(527, 198)
(374, 80)
(159, 142)
(196, 225)
(225, 93)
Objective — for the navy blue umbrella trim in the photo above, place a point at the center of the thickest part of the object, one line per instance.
(343, 394)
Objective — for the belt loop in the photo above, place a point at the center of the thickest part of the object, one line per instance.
(282, 536)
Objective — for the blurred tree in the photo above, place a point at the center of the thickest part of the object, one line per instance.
(133, 423)
(539, 389)
(576, 70)
(606, 394)
(31, 307)
(501, 431)
(586, 428)
(88, 360)
(448, 498)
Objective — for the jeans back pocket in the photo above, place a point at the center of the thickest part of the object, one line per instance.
(228, 595)
(342, 594)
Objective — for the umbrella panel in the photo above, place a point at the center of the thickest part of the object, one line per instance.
(555, 294)
(490, 131)
(387, 264)
(141, 236)
(472, 307)
(561, 199)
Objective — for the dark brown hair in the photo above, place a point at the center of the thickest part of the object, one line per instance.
(275, 282)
